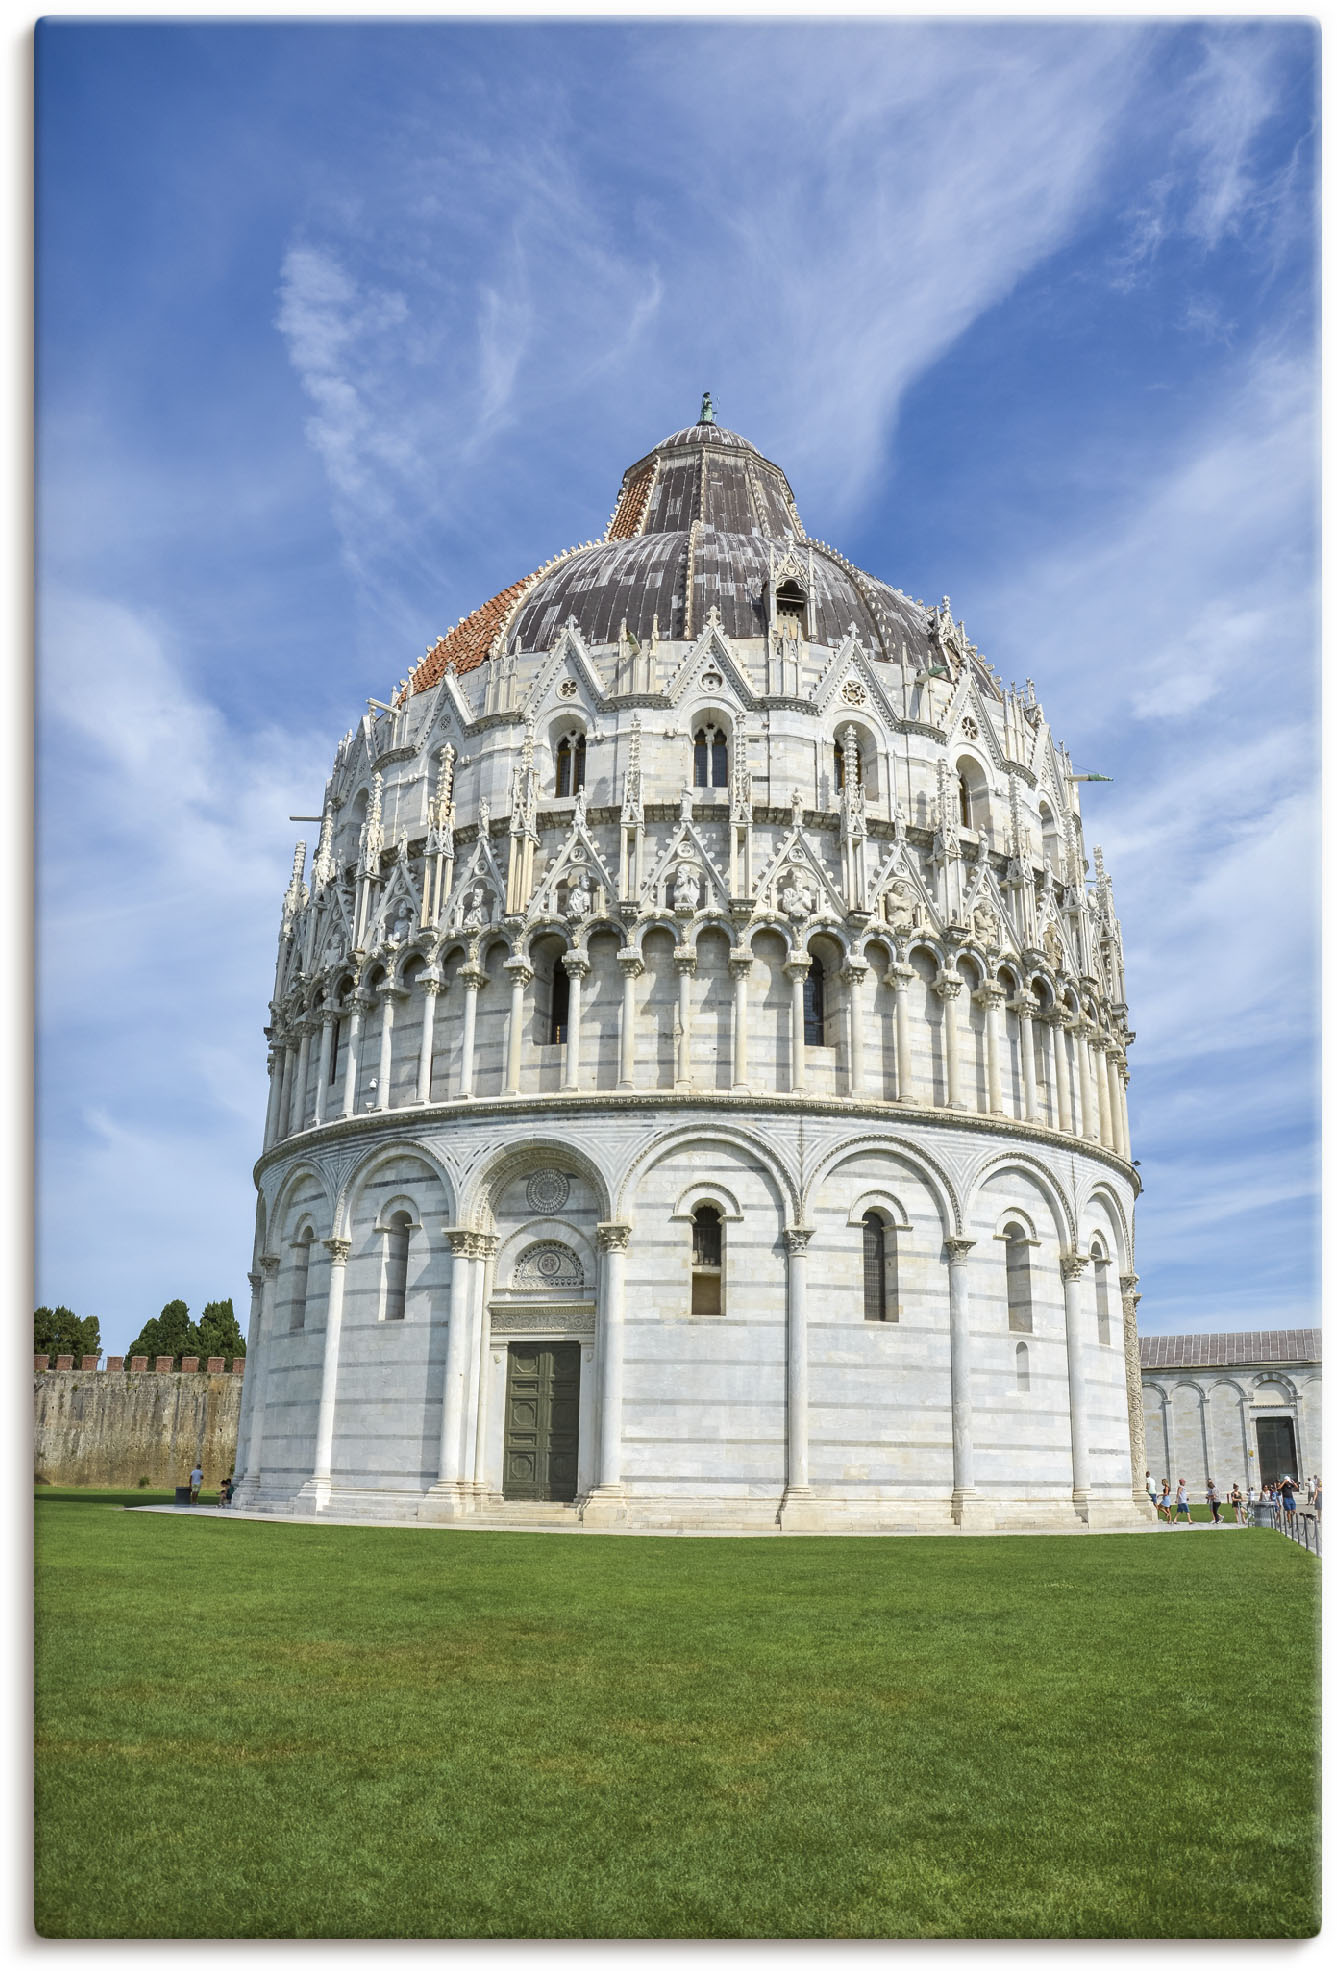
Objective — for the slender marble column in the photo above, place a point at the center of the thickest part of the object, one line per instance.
(740, 969)
(684, 964)
(285, 1091)
(467, 1256)
(521, 976)
(1058, 1028)
(796, 971)
(1102, 1090)
(949, 991)
(1115, 1073)
(796, 1416)
(259, 1339)
(1090, 1103)
(1123, 1112)
(1071, 1266)
(356, 1002)
(898, 978)
(632, 968)
(613, 1242)
(476, 1442)
(338, 1250)
(473, 978)
(388, 994)
(327, 1021)
(576, 966)
(298, 1117)
(272, 1106)
(990, 997)
(431, 986)
(1132, 1376)
(1024, 1006)
(958, 1302)
(1081, 1120)
(854, 975)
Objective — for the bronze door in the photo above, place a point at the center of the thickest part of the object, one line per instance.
(1276, 1450)
(542, 1420)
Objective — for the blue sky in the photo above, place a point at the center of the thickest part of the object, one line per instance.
(343, 326)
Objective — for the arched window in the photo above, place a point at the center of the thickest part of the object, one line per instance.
(710, 757)
(880, 1296)
(396, 1264)
(570, 764)
(707, 1261)
(336, 1027)
(1051, 839)
(963, 801)
(561, 1004)
(1018, 1279)
(1023, 1366)
(791, 609)
(814, 1005)
(1100, 1264)
(301, 1274)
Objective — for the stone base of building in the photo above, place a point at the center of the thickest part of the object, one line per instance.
(616, 1509)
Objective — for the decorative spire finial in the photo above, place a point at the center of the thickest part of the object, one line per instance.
(707, 409)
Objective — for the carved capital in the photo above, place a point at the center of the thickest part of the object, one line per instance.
(797, 1237)
(461, 1241)
(740, 966)
(854, 973)
(474, 977)
(387, 991)
(269, 1264)
(431, 982)
(1127, 1283)
(989, 995)
(797, 968)
(257, 1280)
(338, 1250)
(521, 973)
(631, 962)
(899, 976)
(958, 1250)
(1071, 1264)
(613, 1237)
(948, 987)
(684, 960)
(575, 964)
(1025, 1006)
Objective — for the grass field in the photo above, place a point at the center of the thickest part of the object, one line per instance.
(305, 1731)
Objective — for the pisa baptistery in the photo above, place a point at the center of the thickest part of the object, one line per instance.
(697, 1066)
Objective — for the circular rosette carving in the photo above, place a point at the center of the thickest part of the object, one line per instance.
(548, 1190)
(544, 1267)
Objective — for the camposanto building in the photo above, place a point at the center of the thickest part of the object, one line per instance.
(698, 1066)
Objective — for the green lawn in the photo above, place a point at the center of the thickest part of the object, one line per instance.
(307, 1731)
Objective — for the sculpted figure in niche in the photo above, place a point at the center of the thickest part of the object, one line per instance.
(796, 898)
(579, 896)
(686, 888)
(901, 907)
(1053, 947)
(402, 929)
(475, 908)
(986, 924)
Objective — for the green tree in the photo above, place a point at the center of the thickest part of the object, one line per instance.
(58, 1331)
(219, 1332)
(174, 1333)
(170, 1333)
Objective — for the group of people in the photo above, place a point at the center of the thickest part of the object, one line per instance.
(197, 1481)
(1282, 1495)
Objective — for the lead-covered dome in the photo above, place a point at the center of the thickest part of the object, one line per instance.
(699, 523)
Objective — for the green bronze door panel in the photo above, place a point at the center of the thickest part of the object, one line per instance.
(1276, 1450)
(542, 1420)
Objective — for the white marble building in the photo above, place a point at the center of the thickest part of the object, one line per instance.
(1242, 1408)
(698, 1065)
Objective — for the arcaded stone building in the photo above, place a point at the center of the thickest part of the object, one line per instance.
(1243, 1408)
(698, 1065)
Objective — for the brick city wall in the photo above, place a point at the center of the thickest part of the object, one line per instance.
(126, 1422)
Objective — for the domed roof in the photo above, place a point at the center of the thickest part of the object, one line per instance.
(700, 522)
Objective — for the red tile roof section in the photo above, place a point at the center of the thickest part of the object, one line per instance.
(1244, 1348)
(630, 509)
(464, 648)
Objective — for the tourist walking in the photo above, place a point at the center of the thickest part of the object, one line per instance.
(196, 1480)
(1163, 1503)
(1237, 1501)
(1153, 1490)
(1214, 1501)
(1288, 1497)
(1181, 1504)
